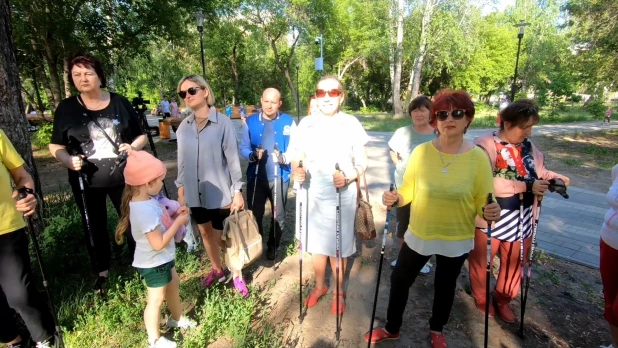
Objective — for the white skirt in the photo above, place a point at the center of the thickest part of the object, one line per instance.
(317, 230)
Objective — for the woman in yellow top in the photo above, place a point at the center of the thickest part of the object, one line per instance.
(447, 181)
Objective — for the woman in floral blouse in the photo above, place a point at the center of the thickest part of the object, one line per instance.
(518, 167)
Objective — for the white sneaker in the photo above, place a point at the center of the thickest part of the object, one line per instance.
(163, 342)
(393, 264)
(610, 346)
(182, 323)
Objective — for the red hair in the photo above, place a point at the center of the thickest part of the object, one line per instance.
(309, 105)
(446, 100)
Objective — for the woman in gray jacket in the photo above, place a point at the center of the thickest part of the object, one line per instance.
(209, 176)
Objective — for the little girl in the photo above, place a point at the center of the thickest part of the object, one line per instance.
(154, 231)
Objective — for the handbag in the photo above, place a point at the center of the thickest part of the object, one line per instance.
(242, 239)
(364, 225)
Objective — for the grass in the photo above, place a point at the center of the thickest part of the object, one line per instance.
(89, 321)
(484, 118)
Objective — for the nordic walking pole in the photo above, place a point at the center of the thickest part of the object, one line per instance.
(88, 226)
(337, 238)
(488, 275)
(257, 168)
(521, 249)
(276, 183)
(300, 245)
(23, 193)
(375, 298)
(530, 263)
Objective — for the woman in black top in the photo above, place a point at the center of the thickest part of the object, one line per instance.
(79, 142)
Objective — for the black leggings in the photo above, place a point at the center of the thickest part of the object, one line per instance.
(265, 190)
(409, 264)
(96, 200)
(19, 292)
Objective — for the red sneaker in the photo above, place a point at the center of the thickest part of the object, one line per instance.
(315, 295)
(505, 312)
(380, 335)
(438, 340)
(481, 307)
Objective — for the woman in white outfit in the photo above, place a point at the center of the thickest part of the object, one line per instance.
(321, 141)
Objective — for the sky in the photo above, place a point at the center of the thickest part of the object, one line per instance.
(489, 6)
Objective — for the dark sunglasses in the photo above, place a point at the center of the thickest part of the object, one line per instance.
(192, 91)
(320, 93)
(457, 114)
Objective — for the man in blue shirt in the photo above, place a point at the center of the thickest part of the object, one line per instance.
(267, 129)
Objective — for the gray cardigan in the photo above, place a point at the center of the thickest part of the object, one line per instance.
(208, 162)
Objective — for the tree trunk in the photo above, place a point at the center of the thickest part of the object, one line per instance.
(414, 84)
(397, 109)
(391, 49)
(236, 73)
(66, 75)
(40, 107)
(285, 69)
(11, 104)
(54, 77)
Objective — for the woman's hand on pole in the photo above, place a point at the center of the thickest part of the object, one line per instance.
(339, 179)
(128, 148)
(389, 198)
(539, 187)
(238, 203)
(75, 163)
(26, 205)
(491, 212)
(299, 174)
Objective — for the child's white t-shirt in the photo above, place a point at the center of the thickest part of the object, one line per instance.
(145, 216)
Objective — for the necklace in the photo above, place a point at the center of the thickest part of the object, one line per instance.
(444, 170)
(200, 122)
(91, 108)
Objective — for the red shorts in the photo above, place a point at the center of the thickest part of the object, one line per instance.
(609, 264)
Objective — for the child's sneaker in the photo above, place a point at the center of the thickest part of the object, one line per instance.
(162, 342)
(182, 323)
(48, 343)
(240, 285)
(213, 276)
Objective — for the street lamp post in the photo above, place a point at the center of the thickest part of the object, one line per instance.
(200, 27)
(297, 95)
(521, 25)
(319, 62)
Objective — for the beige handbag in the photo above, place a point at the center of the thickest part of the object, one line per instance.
(364, 225)
(243, 243)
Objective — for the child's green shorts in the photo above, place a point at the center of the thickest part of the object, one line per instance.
(159, 276)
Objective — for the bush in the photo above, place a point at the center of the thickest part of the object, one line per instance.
(370, 110)
(596, 108)
(42, 138)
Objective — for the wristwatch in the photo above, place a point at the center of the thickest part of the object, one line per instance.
(529, 183)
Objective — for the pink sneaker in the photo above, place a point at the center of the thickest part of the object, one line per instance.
(221, 278)
(240, 285)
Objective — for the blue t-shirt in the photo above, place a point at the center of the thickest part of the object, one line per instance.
(268, 144)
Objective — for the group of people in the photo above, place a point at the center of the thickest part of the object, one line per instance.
(441, 198)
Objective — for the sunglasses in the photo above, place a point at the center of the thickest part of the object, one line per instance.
(457, 114)
(320, 93)
(192, 91)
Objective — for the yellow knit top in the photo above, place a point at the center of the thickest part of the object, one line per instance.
(444, 206)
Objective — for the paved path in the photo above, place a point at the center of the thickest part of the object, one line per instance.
(568, 229)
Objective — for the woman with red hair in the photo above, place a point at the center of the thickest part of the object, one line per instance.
(447, 181)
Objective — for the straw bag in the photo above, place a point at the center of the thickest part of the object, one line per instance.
(243, 242)
(364, 225)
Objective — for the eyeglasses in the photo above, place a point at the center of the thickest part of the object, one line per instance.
(457, 114)
(320, 93)
(192, 91)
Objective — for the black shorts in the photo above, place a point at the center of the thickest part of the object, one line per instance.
(167, 115)
(216, 216)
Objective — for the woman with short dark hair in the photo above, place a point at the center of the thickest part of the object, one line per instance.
(518, 168)
(447, 181)
(401, 145)
(91, 131)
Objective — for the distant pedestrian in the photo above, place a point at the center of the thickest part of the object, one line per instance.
(609, 258)
(608, 116)
(503, 104)
(243, 113)
(165, 107)
(228, 111)
(312, 108)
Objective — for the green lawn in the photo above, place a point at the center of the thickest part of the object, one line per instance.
(486, 118)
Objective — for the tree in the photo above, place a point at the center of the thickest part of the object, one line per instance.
(11, 105)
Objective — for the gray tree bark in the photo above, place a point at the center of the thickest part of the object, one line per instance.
(12, 119)
(397, 108)
(414, 84)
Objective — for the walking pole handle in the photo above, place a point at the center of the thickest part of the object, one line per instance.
(391, 189)
(23, 192)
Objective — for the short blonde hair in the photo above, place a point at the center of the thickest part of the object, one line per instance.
(200, 81)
